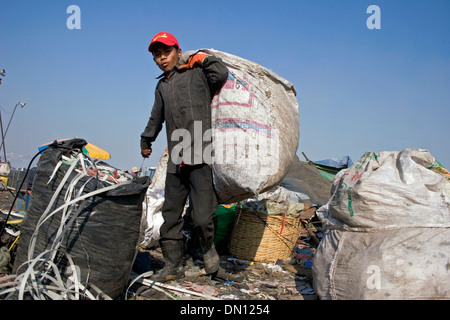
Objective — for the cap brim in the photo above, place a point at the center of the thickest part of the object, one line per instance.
(166, 42)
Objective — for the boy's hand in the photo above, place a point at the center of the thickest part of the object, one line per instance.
(194, 60)
(146, 152)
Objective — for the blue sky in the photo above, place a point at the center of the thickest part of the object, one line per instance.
(358, 89)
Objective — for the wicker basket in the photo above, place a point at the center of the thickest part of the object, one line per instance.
(264, 238)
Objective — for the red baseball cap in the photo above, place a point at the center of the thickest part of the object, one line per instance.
(163, 37)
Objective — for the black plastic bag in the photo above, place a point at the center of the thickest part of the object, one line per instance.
(101, 233)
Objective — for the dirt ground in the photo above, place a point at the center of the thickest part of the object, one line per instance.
(289, 279)
(281, 280)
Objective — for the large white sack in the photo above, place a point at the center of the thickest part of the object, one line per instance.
(391, 189)
(397, 264)
(386, 230)
(255, 122)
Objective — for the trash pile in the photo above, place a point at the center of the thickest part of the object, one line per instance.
(289, 279)
(361, 244)
(270, 239)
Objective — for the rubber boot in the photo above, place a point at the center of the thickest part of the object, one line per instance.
(213, 268)
(172, 251)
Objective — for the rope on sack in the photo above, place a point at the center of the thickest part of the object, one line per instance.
(41, 278)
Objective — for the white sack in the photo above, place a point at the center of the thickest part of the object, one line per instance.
(152, 217)
(151, 208)
(159, 177)
(386, 230)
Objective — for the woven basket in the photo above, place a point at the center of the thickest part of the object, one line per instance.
(264, 238)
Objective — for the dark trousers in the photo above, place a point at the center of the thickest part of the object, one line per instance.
(196, 181)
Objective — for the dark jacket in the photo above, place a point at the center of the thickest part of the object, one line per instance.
(183, 101)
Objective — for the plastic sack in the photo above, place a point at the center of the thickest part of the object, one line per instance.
(153, 202)
(91, 238)
(255, 123)
(159, 177)
(223, 221)
(386, 230)
(278, 200)
(306, 178)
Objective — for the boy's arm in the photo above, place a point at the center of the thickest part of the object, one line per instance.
(216, 73)
(215, 70)
(154, 126)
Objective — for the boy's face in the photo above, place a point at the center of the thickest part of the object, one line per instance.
(166, 57)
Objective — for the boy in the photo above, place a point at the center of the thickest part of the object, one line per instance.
(183, 100)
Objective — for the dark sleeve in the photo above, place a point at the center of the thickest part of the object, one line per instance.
(216, 73)
(155, 123)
